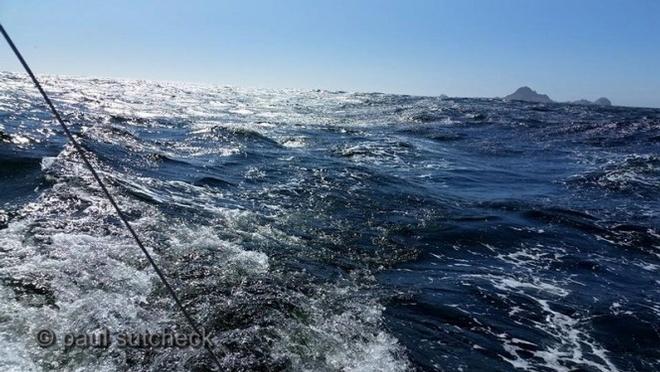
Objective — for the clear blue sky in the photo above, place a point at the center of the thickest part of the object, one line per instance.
(568, 49)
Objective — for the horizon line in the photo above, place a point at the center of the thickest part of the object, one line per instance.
(202, 84)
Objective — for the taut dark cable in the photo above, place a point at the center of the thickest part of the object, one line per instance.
(121, 215)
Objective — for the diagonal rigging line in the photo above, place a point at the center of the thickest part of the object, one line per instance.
(208, 345)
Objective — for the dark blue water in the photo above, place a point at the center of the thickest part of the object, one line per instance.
(331, 231)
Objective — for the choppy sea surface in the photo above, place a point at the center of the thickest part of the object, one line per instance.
(330, 231)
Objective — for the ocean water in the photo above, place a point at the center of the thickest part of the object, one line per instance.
(330, 231)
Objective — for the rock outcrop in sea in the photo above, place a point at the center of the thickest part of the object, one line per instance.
(602, 101)
(527, 94)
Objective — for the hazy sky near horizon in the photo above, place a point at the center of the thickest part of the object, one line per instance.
(566, 49)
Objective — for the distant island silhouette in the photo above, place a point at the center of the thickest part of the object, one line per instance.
(527, 94)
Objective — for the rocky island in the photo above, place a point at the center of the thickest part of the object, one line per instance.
(602, 101)
(527, 94)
